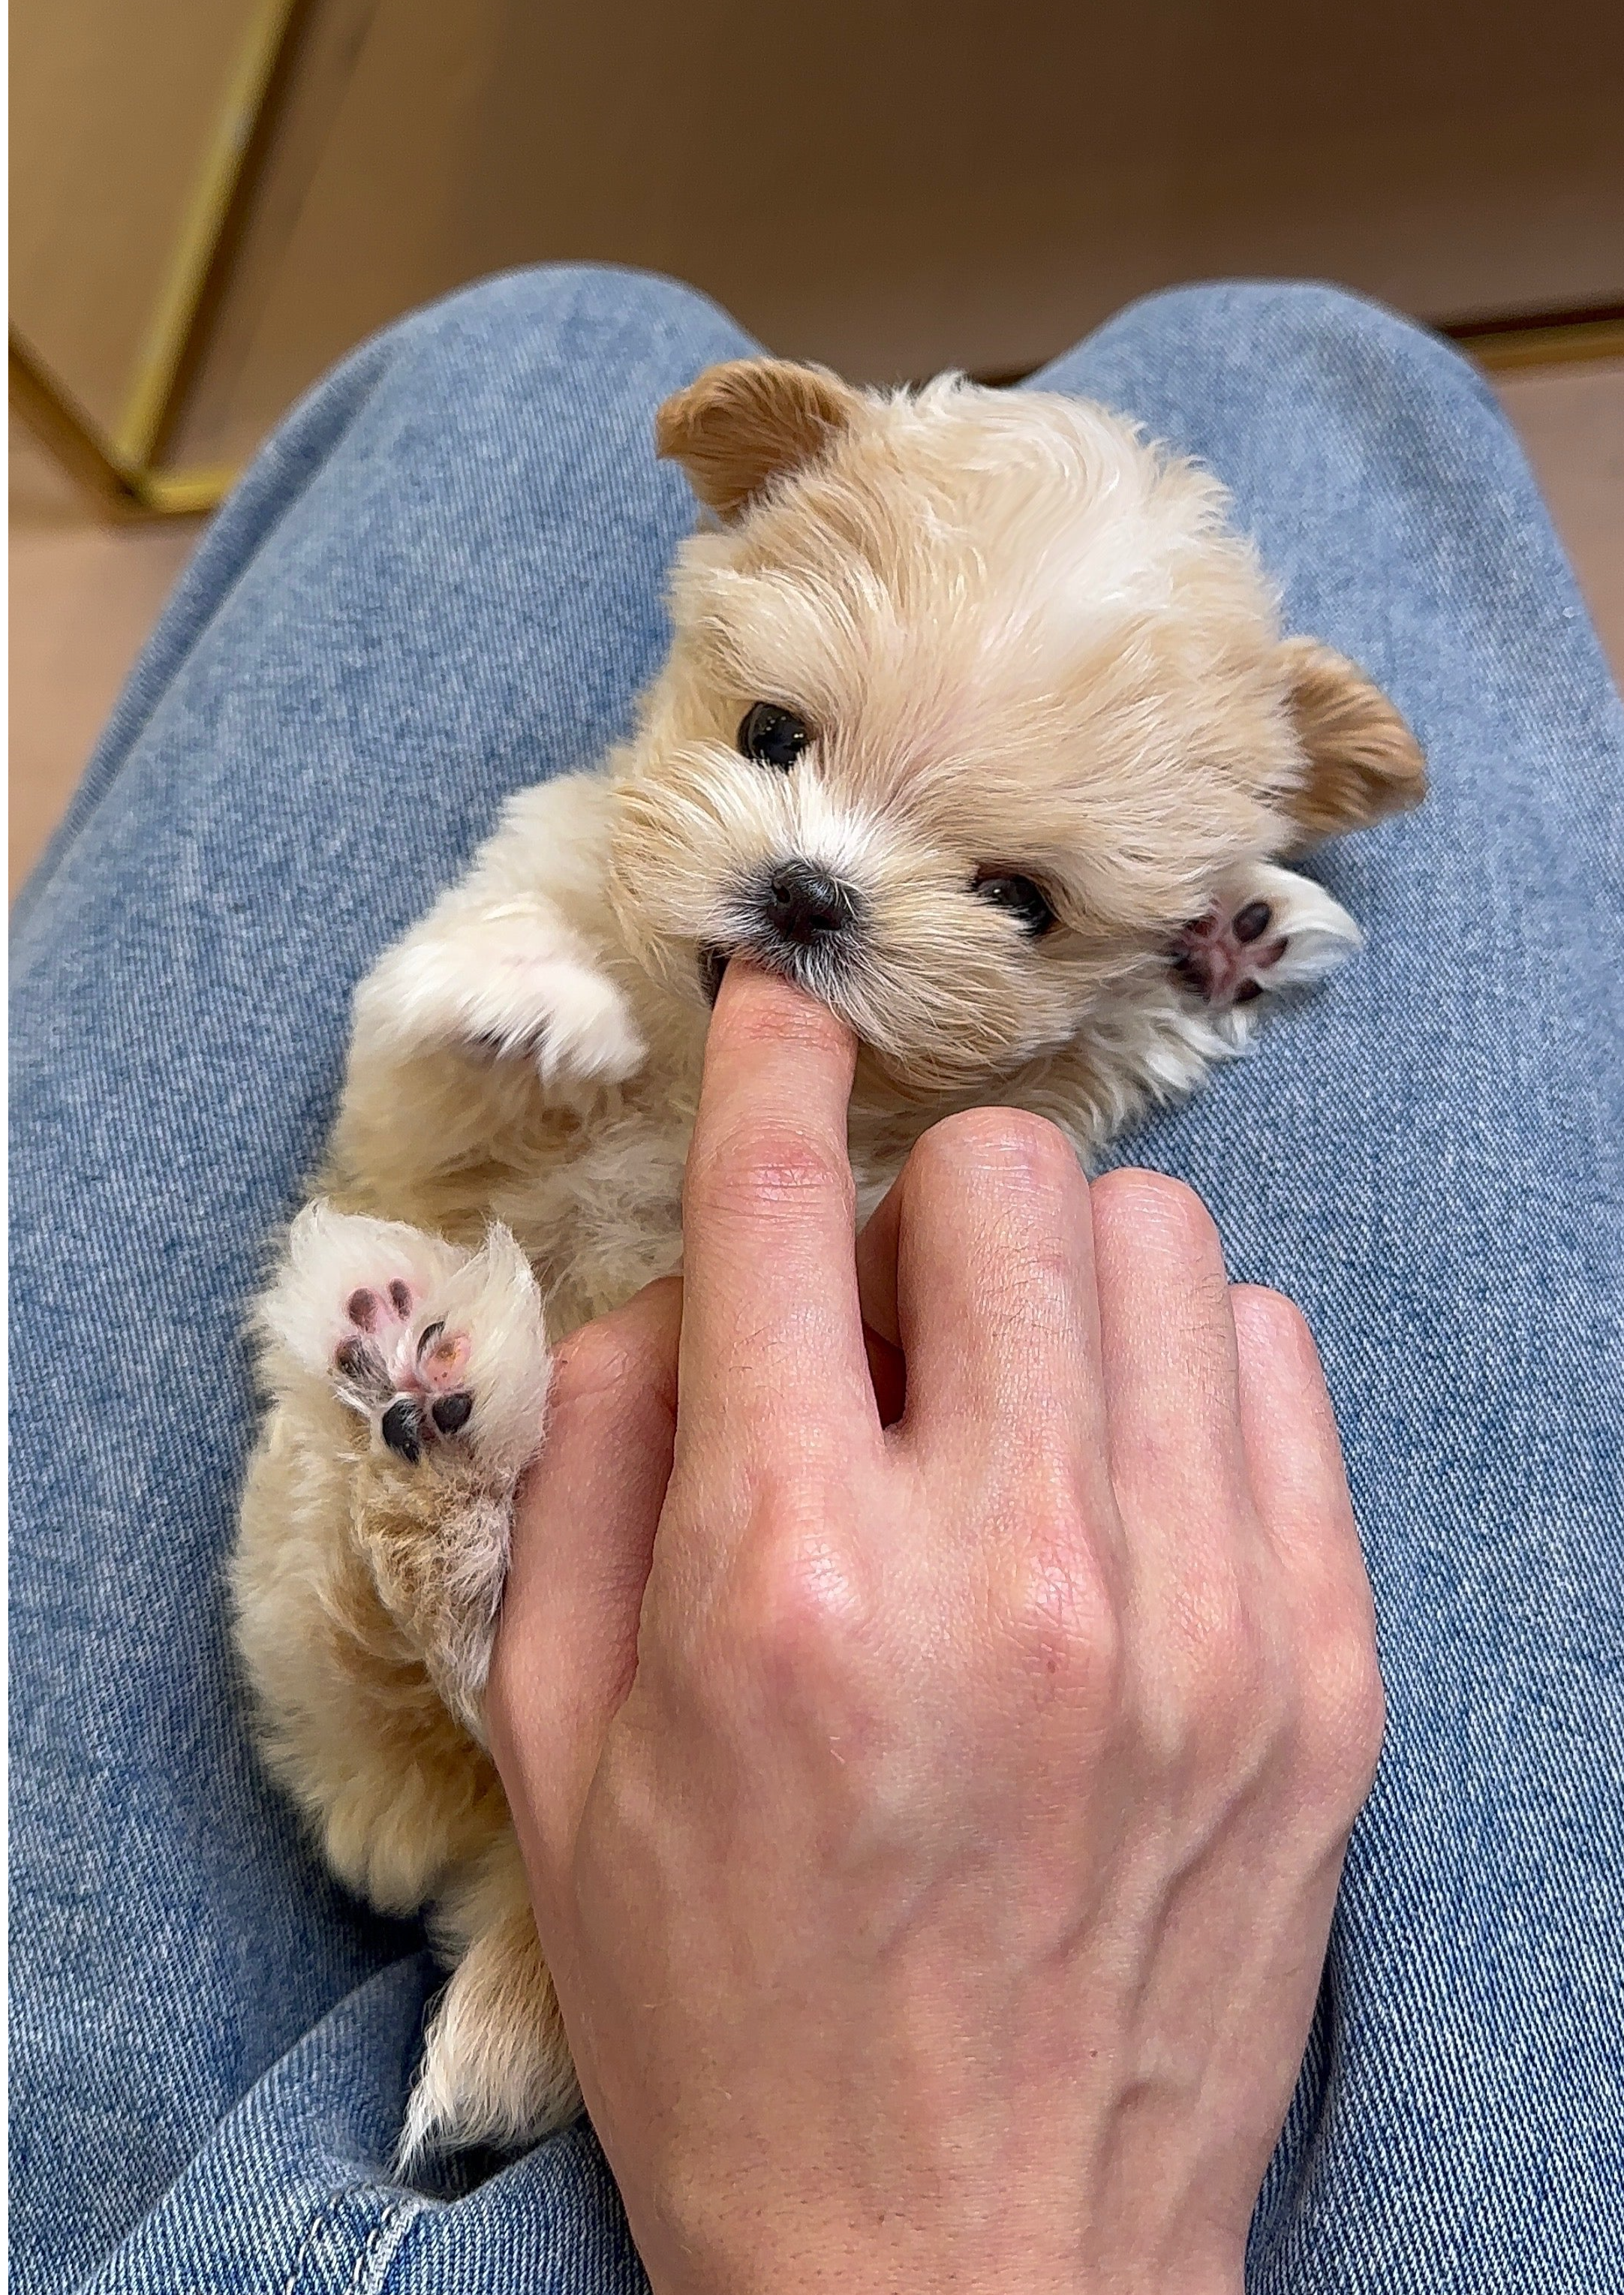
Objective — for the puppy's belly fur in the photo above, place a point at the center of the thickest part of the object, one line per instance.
(511, 1069)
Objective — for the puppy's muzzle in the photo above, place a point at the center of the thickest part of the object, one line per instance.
(802, 906)
(796, 918)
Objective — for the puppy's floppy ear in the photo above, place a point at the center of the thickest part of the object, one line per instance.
(1363, 761)
(747, 422)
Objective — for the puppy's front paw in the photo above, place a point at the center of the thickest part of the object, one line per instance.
(506, 991)
(1268, 929)
(584, 1029)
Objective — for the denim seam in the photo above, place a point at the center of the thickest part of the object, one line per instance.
(325, 2220)
(362, 2275)
(297, 2269)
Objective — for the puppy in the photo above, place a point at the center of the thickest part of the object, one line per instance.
(977, 723)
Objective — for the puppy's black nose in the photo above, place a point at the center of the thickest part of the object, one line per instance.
(803, 904)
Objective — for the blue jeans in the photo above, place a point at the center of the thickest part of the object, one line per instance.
(442, 580)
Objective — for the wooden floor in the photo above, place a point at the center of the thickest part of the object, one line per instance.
(84, 594)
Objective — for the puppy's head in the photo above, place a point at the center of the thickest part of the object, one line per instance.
(972, 698)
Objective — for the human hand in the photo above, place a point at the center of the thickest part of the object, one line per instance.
(933, 1830)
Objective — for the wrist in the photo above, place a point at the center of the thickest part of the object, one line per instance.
(844, 2265)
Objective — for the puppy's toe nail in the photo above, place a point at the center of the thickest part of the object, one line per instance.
(452, 1411)
(440, 1357)
(401, 1430)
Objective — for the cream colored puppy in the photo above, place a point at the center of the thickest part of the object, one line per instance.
(979, 725)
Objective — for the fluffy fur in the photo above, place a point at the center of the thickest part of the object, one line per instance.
(1022, 644)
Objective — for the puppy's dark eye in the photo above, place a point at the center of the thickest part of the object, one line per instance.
(773, 736)
(1025, 900)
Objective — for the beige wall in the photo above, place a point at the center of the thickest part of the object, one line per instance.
(904, 184)
(115, 105)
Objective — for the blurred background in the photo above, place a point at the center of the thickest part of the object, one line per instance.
(213, 200)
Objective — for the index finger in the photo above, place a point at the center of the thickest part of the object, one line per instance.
(772, 1350)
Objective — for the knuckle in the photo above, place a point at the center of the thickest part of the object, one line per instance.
(1342, 1703)
(1007, 1136)
(799, 1611)
(599, 1360)
(1217, 1689)
(1062, 1616)
(1269, 1325)
(764, 1166)
(1346, 1713)
(1365, 1718)
(623, 1362)
(1159, 1209)
(1270, 1312)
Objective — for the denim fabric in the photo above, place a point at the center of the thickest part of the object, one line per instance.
(441, 581)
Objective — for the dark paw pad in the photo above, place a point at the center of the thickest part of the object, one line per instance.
(402, 1430)
(362, 1366)
(452, 1412)
(1224, 955)
(361, 1308)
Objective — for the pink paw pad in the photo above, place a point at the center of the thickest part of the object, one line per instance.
(367, 1309)
(440, 1357)
(1224, 954)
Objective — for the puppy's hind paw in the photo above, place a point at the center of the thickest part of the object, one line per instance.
(1268, 929)
(402, 1373)
(457, 1374)
(443, 1352)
